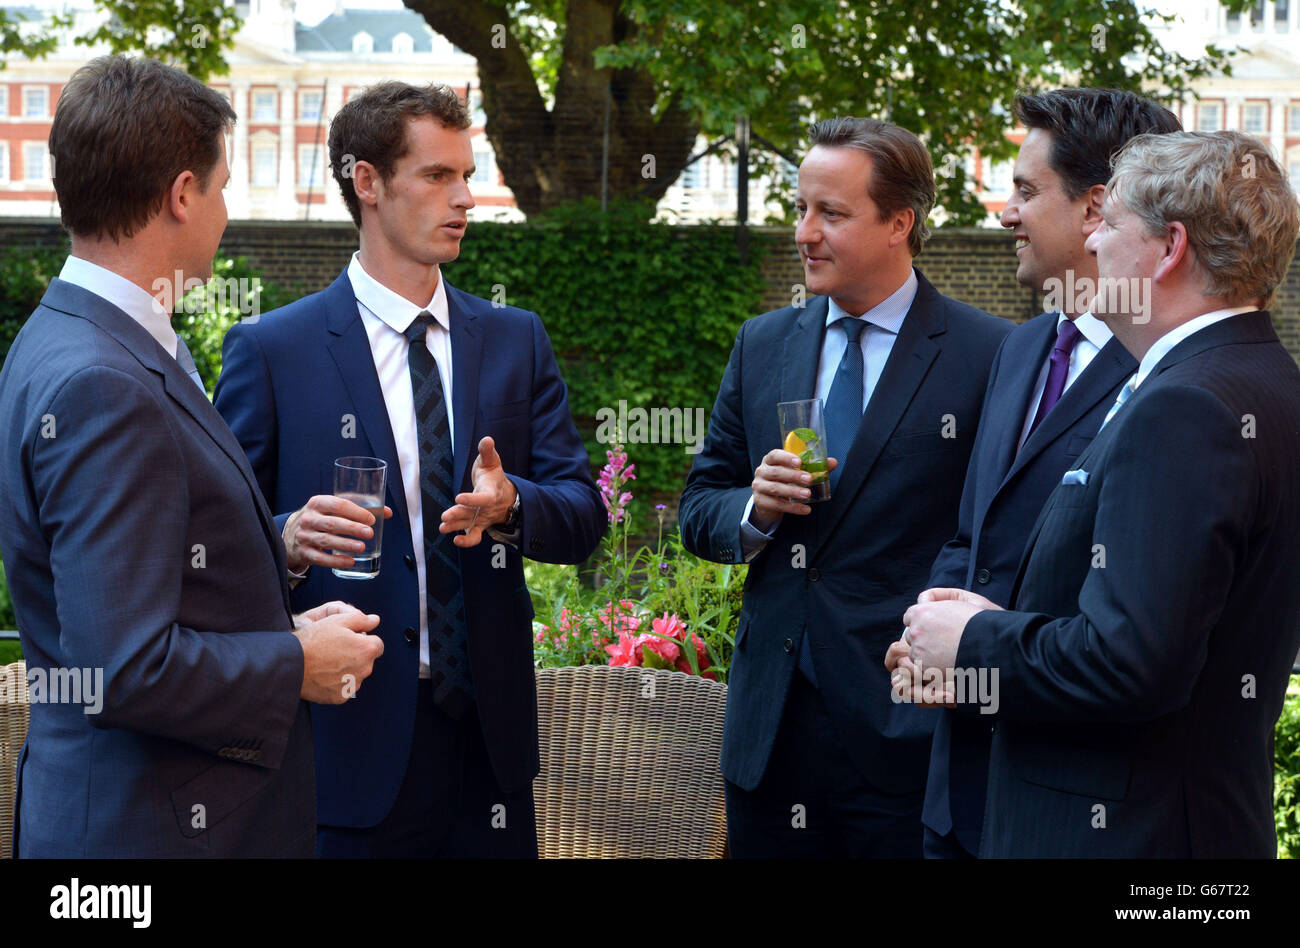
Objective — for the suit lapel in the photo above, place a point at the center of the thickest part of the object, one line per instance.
(1108, 369)
(467, 362)
(349, 347)
(910, 358)
(1023, 376)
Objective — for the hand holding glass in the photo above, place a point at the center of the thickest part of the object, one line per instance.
(361, 481)
(803, 433)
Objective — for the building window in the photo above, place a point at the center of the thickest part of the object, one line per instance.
(4, 102)
(363, 43)
(36, 102)
(1209, 117)
(1293, 170)
(484, 168)
(478, 116)
(1280, 14)
(265, 162)
(691, 175)
(311, 171)
(34, 167)
(1293, 119)
(4, 161)
(264, 106)
(998, 181)
(403, 45)
(1254, 118)
(309, 106)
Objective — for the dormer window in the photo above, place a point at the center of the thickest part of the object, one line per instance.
(363, 43)
(403, 45)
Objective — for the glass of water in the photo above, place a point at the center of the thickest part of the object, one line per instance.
(361, 480)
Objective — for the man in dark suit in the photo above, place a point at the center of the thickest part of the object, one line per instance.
(1157, 613)
(464, 401)
(819, 762)
(1053, 381)
(141, 558)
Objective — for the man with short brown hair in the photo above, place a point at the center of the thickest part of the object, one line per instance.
(138, 550)
(464, 401)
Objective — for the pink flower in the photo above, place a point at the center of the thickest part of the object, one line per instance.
(624, 653)
(666, 649)
(670, 625)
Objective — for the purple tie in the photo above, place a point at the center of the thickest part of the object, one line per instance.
(1066, 336)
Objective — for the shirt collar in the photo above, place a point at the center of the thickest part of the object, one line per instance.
(125, 295)
(1090, 327)
(393, 310)
(888, 313)
(1176, 335)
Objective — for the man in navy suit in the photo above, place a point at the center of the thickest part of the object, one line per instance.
(1157, 613)
(464, 401)
(819, 762)
(139, 552)
(1052, 382)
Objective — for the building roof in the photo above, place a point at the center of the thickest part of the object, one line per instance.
(334, 33)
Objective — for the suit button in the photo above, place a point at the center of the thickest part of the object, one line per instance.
(410, 634)
(814, 575)
(726, 553)
(983, 577)
(409, 560)
(536, 544)
(788, 645)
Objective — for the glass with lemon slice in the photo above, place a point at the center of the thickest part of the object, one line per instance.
(803, 433)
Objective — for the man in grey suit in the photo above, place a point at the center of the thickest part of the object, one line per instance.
(138, 549)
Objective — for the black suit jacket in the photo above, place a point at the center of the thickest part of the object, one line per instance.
(1158, 615)
(1004, 492)
(844, 574)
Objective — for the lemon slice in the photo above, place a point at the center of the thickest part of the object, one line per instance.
(794, 444)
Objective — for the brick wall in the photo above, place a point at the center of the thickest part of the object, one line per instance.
(971, 264)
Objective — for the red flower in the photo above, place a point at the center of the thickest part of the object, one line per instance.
(625, 652)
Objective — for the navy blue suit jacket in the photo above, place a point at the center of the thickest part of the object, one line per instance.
(844, 574)
(136, 542)
(1004, 492)
(289, 384)
(1157, 619)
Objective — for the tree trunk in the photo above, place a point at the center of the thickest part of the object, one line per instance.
(549, 158)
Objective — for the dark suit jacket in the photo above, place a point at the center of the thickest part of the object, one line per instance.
(287, 383)
(1004, 492)
(845, 574)
(136, 542)
(1157, 618)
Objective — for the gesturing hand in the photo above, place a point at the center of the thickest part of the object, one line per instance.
(487, 505)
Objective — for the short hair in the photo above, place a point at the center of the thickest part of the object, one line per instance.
(124, 129)
(1238, 208)
(1088, 126)
(372, 127)
(901, 173)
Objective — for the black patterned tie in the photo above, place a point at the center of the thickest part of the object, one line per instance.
(453, 688)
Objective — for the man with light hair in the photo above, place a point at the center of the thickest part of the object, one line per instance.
(1156, 613)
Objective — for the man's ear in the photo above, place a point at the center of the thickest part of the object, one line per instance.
(1092, 209)
(180, 196)
(365, 182)
(904, 221)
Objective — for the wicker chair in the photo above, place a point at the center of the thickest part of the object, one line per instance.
(13, 731)
(629, 764)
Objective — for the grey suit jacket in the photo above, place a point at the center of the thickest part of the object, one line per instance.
(138, 548)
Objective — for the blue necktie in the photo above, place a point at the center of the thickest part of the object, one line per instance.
(844, 404)
(1129, 387)
(453, 686)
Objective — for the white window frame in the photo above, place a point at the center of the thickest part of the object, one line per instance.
(1262, 110)
(406, 42)
(264, 146)
(44, 162)
(4, 162)
(1293, 119)
(303, 94)
(4, 101)
(1202, 109)
(304, 151)
(275, 105)
(485, 167)
(363, 43)
(45, 107)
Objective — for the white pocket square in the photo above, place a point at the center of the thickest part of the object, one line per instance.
(1075, 477)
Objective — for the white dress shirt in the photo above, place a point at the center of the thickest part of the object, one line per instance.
(884, 320)
(386, 317)
(1094, 336)
(125, 295)
(1161, 347)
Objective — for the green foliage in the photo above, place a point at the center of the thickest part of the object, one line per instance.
(8, 621)
(10, 652)
(944, 69)
(25, 272)
(1286, 775)
(29, 43)
(192, 35)
(643, 313)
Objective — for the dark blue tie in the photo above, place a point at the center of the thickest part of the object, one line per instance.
(453, 688)
(844, 404)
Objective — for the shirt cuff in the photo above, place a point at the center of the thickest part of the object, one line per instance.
(511, 539)
(296, 578)
(752, 539)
